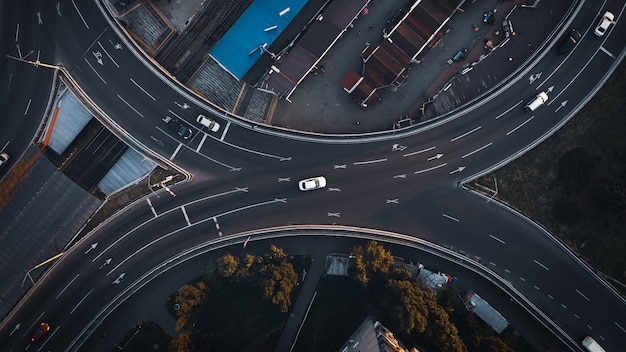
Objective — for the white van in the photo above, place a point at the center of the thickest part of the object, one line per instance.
(207, 122)
(539, 100)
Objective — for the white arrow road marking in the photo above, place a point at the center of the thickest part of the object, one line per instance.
(98, 56)
(435, 157)
(561, 105)
(106, 262)
(119, 279)
(459, 169)
(92, 247)
(17, 327)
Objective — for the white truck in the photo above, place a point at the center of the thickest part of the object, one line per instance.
(591, 345)
(537, 101)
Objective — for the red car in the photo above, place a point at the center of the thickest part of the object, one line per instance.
(41, 330)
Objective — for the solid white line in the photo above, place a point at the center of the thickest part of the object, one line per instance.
(521, 278)
(465, 134)
(619, 326)
(523, 123)
(143, 90)
(497, 239)
(585, 297)
(537, 288)
(607, 52)
(430, 168)
(541, 265)
(182, 207)
(96, 72)
(224, 131)
(173, 113)
(28, 106)
(130, 106)
(66, 286)
(306, 314)
(180, 145)
(48, 339)
(507, 270)
(419, 151)
(106, 52)
(369, 161)
(450, 217)
(80, 14)
(550, 296)
(151, 207)
(81, 301)
(17, 32)
(477, 150)
(201, 143)
(509, 109)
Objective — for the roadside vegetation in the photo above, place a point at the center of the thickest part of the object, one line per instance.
(240, 303)
(392, 295)
(574, 183)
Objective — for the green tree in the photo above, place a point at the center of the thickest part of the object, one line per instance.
(370, 261)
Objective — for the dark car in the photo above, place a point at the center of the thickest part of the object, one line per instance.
(178, 127)
(569, 42)
(41, 330)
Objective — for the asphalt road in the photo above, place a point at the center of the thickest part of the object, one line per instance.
(246, 179)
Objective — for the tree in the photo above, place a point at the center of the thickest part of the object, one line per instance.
(406, 306)
(371, 260)
(227, 265)
(181, 342)
(280, 281)
(189, 297)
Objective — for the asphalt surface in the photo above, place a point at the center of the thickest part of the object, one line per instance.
(245, 179)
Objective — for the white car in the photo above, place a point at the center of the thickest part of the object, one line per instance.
(207, 122)
(604, 24)
(4, 158)
(312, 183)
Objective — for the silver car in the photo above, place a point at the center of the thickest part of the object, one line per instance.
(605, 22)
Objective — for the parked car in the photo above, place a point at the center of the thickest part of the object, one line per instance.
(207, 122)
(39, 332)
(569, 42)
(605, 22)
(312, 183)
(4, 159)
(178, 127)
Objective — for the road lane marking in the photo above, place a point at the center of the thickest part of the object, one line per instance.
(143, 90)
(450, 217)
(81, 301)
(537, 288)
(519, 126)
(111, 58)
(66, 286)
(331, 189)
(130, 106)
(182, 208)
(585, 297)
(400, 176)
(430, 168)
(607, 52)
(17, 32)
(507, 271)
(509, 109)
(370, 161)
(80, 14)
(465, 134)
(151, 207)
(201, 143)
(550, 296)
(96, 72)
(28, 106)
(497, 239)
(522, 278)
(565, 307)
(175, 114)
(477, 150)
(619, 326)
(337, 215)
(576, 316)
(217, 225)
(224, 131)
(419, 151)
(394, 201)
(492, 264)
(340, 166)
(284, 179)
(541, 265)
(180, 145)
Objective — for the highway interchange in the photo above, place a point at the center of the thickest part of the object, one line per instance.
(245, 177)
